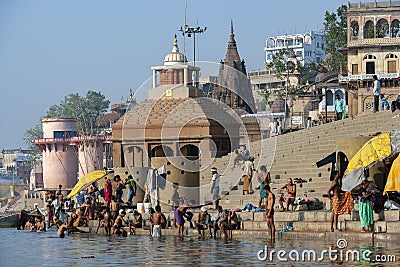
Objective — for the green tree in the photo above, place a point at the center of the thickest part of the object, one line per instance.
(282, 67)
(29, 139)
(336, 37)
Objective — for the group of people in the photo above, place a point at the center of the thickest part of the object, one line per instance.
(340, 105)
(369, 199)
(227, 220)
(129, 184)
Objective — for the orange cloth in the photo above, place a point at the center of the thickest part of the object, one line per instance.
(246, 183)
(343, 204)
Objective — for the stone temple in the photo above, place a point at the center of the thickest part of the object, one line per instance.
(176, 128)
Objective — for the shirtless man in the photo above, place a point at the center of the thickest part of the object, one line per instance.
(234, 220)
(269, 212)
(158, 219)
(119, 223)
(81, 219)
(333, 193)
(203, 220)
(223, 223)
(59, 195)
(290, 187)
(107, 221)
(118, 188)
(62, 229)
(115, 207)
(40, 225)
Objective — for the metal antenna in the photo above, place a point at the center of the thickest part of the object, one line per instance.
(184, 34)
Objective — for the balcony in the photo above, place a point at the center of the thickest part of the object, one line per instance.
(374, 42)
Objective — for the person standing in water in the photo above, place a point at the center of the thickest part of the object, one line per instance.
(269, 212)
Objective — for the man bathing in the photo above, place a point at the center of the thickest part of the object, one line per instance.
(269, 212)
(158, 220)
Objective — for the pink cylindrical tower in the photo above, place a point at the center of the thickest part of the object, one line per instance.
(60, 158)
(90, 153)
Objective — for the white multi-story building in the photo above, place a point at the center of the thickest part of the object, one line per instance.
(308, 47)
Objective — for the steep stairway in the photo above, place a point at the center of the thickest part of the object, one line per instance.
(294, 155)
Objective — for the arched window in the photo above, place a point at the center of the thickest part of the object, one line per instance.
(271, 42)
(190, 151)
(390, 56)
(354, 28)
(369, 30)
(369, 57)
(161, 151)
(370, 64)
(299, 39)
(382, 28)
(395, 28)
(280, 43)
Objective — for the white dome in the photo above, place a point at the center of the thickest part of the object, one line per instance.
(175, 56)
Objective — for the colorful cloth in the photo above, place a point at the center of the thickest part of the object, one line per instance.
(107, 191)
(263, 194)
(342, 204)
(393, 180)
(246, 184)
(366, 213)
(179, 217)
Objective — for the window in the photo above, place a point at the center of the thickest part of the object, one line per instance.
(370, 67)
(382, 28)
(64, 134)
(299, 54)
(354, 28)
(391, 64)
(395, 28)
(391, 56)
(369, 57)
(317, 45)
(369, 30)
(354, 69)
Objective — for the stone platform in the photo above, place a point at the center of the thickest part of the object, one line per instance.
(307, 225)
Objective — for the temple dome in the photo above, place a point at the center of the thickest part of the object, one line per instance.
(174, 57)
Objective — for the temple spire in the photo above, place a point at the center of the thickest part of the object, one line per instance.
(232, 34)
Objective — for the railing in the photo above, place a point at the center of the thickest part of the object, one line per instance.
(75, 139)
(39, 141)
(374, 41)
(374, 4)
(361, 77)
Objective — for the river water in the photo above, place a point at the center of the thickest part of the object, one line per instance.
(23, 248)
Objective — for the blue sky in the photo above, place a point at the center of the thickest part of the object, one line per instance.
(49, 49)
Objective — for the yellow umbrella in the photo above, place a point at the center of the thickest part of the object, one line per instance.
(393, 180)
(86, 180)
(373, 150)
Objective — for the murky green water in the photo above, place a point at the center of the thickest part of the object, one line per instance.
(22, 248)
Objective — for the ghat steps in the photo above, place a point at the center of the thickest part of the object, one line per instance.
(294, 155)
